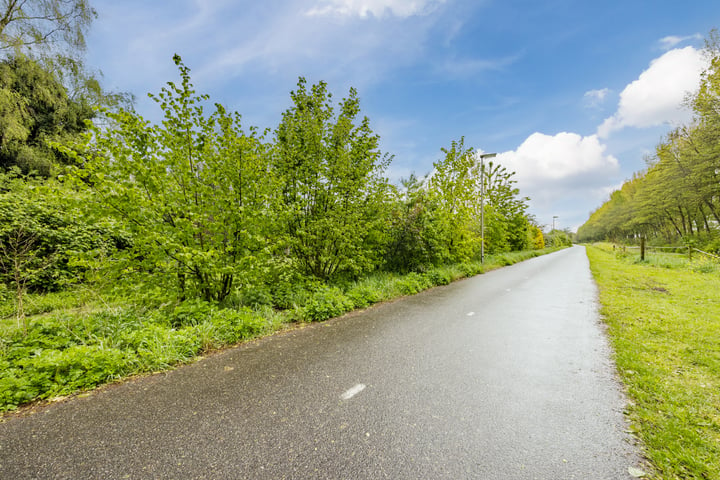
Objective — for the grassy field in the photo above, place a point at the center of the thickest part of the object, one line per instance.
(664, 322)
(83, 338)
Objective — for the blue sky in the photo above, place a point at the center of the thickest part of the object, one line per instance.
(571, 93)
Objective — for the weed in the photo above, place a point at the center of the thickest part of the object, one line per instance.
(363, 295)
(327, 302)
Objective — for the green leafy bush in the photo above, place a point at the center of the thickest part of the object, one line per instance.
(42, 233)
(241, 324)
(439, 277)
(287, 295)
(190, 312)
(363, 295)
(413, 283)
(327, 302)
(257, 296)
(158, 347)
(77, 367)
(470, 269)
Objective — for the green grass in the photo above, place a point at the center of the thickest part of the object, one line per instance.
(78, 339)
(664, 322)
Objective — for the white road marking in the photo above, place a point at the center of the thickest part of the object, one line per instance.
(353, 391)
(470, 314)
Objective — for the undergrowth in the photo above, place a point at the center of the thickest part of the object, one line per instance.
(77, 339)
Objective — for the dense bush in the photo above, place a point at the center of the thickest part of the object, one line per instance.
(364, 295)
(42, 228)
(327, 302)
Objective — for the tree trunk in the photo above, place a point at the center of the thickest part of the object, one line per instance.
(642, 247)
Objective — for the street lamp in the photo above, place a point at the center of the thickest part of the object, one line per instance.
(554, 217)
(483, 156)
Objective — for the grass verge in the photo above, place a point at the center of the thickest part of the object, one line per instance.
(77, 340)
(664, 324)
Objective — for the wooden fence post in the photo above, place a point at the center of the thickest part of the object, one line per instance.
(642, 248)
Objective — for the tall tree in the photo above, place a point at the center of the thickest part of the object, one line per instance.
(333, 192)
(195, 191)
(508, 224)
(56, 26)
(34, 110)
(453, 181)
(52, 32)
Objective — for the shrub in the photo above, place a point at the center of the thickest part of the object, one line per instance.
(469, 269)
(327, 302)
(159, 347)
(413, 283)
(16, 388)
(257, 296)
(288, 295)
(712, 246)
(190, 312)
(244, 323)
(363, 295)
(505, 261)
(439, 277)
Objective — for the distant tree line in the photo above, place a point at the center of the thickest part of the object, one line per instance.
(677, 197)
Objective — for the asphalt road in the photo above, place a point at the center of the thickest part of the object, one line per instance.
(503, 376)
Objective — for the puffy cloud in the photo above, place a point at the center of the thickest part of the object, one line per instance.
(564, 174)
(376, 8)
(656, 97)
(594, 98)
(551, 159)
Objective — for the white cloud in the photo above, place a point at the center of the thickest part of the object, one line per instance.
(656, 97)
(594, 98)
(565, 156)
(376, 8)
(666, 43)
(553, 169)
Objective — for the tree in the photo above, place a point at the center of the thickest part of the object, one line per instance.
(52, 32)
(34, 111)
(56, 25)
(195, 192)
(459, 182)
(20, 260)
(506, 222)
(414, 238)
(537, 238)
(453, 181)
(333, 193)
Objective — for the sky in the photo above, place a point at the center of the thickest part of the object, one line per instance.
(571, 94)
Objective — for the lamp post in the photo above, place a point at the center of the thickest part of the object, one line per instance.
(483, 156)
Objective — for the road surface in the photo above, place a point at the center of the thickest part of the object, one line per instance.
(503, 376)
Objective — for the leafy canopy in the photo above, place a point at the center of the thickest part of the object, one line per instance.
(195, 191)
